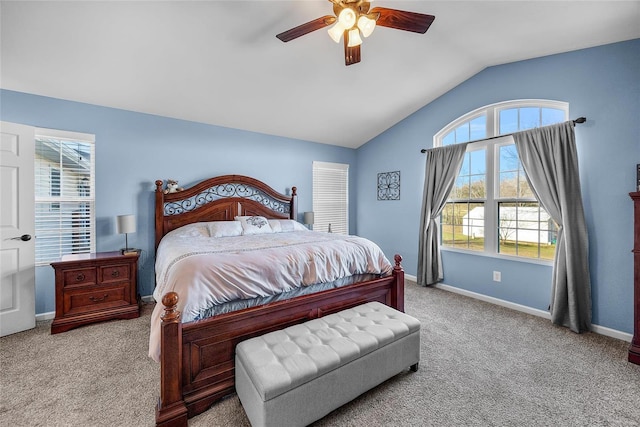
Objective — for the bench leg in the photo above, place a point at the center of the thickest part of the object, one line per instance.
(414, 368)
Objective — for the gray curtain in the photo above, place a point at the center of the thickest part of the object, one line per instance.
(549, 159)
(443, 166)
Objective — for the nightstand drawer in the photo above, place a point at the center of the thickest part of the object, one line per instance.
(113, 273)
(84, 300)
(80, 276)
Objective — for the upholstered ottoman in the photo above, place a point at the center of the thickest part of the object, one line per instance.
(295, 376)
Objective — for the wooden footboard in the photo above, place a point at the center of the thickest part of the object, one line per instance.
(197, 358)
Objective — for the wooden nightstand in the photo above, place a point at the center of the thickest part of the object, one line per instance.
(95, 287)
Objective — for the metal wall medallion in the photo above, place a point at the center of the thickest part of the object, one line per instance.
(389, 186)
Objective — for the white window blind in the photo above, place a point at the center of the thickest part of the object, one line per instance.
(64, 194)
(331, 197)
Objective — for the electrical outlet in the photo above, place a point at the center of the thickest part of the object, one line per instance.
(497, 276)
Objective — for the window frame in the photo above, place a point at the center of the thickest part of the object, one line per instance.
(492, 143)
(59, 200)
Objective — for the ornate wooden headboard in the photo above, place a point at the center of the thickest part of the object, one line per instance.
(220, 199)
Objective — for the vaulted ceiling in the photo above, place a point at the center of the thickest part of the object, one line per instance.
(219, 62)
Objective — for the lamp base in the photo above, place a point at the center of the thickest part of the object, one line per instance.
(129, 251)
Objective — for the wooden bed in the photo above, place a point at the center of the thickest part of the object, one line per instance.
(197, 358)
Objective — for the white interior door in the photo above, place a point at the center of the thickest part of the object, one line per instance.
(17, 225)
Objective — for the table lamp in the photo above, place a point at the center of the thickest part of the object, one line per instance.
(126, 224)
(308, 219)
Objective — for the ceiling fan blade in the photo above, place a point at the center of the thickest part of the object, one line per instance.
(351, 54)
(401, 20)
(306, 28)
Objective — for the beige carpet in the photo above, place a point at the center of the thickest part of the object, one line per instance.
(482, 365)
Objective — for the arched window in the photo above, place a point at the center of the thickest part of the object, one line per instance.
(491, 208)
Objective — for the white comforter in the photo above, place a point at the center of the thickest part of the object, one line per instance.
(205, 271)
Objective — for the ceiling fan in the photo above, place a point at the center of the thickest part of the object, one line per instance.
(353, 18)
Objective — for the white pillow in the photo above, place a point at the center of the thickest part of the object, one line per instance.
(275, 225)
(225, 228)
(298, 227)
(286, 225)
(192, 230)
(254, 225)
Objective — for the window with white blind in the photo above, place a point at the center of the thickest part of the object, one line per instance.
(331, 197)
(64, 194)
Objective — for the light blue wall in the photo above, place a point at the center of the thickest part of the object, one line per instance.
(601, 83)
(133, 150)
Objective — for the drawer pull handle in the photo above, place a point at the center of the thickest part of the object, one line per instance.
(80, 277)
(98, 299)
(115, 273)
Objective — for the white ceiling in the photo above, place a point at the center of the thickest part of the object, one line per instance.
(219, 62)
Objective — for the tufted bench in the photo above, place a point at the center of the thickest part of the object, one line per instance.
(295, 376)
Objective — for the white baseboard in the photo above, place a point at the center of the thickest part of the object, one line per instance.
(613, 333)
(602, 330)
(45, 316)
(148, 299)
(496, 301)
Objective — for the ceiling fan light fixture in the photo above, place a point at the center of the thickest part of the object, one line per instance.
(352, 19)
(366, 25)
(346, 20)
(354, 38)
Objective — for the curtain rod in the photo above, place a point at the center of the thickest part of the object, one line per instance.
(576, 121)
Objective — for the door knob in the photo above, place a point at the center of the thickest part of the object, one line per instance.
(24, 237)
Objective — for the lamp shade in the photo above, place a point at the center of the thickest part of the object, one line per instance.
(126, 224)
(366, 25)
(347, 18)
(308, 218)
(335, 32)
(354, 38)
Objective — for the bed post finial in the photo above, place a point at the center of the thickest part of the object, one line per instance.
(398, 259)
(294, 191)
(170, 302)
(159, 185)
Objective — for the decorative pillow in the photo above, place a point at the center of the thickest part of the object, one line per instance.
(225, 228)
(286, 225)
(254, 225)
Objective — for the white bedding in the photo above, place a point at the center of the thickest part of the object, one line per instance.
(206, 271)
